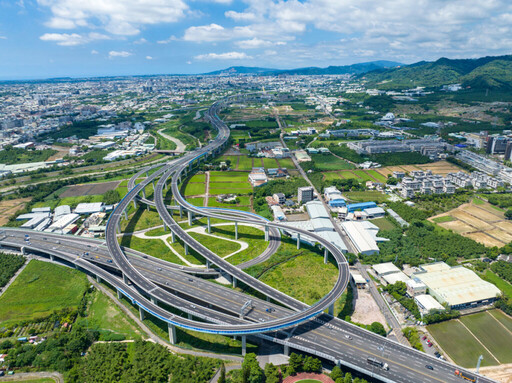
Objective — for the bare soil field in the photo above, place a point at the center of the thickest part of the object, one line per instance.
(482, 223)
(501, 373)
(10, 207)
(61, 152)
(89, 189)
(440, 167)
(366, 310)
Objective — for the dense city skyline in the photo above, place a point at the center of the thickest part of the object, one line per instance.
(52, 38)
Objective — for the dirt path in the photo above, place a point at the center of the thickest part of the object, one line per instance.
(207, 192)
(180, 146)
(24, 376)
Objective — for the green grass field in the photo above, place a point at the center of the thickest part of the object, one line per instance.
(328, 176)
(365, 196)
(304, 276)
(195, 189)
(253, 236)
(269, 163)
(445, 218)
(329, 162)
(379, 177)
(462, 346)
(196, 201)
(41, 289)
(193, 256)
(217, 245)
(500, 283)
(154, 247)
(105, 316)
(244, 163)
(383, 223)
(201, 178)
(216, 177)
(140, 219)
(286, 163)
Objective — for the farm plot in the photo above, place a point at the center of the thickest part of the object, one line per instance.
(479, 221)
(89, 189)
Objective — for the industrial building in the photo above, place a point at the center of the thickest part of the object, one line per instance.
(363, 235)
(427, 303)
(319, 222)
(333, 197)
(258, 177)
(457, 287)
(382, 269)
(89, 208)
(360, 206)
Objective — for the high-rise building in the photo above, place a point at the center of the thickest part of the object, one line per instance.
(305, 194)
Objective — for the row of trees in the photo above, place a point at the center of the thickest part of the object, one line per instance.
(503, 269)
(9, 264)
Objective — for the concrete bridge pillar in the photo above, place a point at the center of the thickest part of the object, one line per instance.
(326, 255)
(118, 227)
(236, 230)
(209, 225)
(190, 218)
(154, 300)
(207, 264)
(165, 227)
(134, 204)
(189, 316)
(141, 314)
(125, 279)
(173, 237)
(266, 233)
(186, 249)
(125, 214)
(244, 344)
(172, 334)
(286, 350)
(181, 211)
(144, 192)
(119, 295)
(331, 309)
(52, 258)
(98, 279)
(22, 250)
(234, 282)
(298, 241)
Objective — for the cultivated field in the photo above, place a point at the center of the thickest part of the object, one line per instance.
(465, 339)
(440, 167)
(479, 221)
(360, 175)
(89, 189)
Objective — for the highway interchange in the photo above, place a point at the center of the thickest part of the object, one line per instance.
(148, 282)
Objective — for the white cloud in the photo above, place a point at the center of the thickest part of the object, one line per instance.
(94, 52)
(149, 58)
(167, 41)
(72, 39)
(124, 17)
(140, 41)
(240, 16)
(223, 56)
(3, 37)
(256, 43)
(113, 54)
(207, 33)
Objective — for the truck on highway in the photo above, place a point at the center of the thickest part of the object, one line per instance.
(378, 363)
(465, 375)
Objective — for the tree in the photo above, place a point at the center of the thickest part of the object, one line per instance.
(272, 374)
(312, 364)
(336, 373)
(378, 328)
(251, 369)
(295, 362)
(111, 197)
(348, 378)
(222, 377)
(508, 214)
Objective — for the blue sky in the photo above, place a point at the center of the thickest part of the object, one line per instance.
(52, 38)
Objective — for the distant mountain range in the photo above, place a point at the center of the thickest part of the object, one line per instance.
(483, 73)
(344, 69)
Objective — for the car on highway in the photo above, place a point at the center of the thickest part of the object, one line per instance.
(429, 367)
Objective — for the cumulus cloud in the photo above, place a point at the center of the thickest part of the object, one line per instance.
(149, 58)
(117, 17)
(223, 56)
(167, 41)
(207, 33)
(256, 43)
(72, 39)
(113, 54)
(94, 52)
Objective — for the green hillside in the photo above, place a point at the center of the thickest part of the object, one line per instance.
(482, 73)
